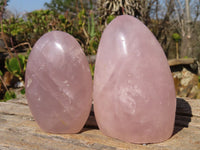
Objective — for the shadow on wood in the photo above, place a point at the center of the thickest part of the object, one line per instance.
(19, 131)
(183, 115)
(182, 120)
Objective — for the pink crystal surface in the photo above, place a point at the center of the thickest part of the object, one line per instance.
(58, 83)
(134, 94)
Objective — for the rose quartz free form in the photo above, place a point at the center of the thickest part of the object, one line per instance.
(58, 83)
(134, 94)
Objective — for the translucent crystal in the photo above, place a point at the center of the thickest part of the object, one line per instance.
(58, 83)
(134, 94)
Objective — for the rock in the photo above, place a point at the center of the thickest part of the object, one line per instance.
(19, 84)
(194, 91)
(186, 83)
(198, 95)
(187, 77)
(58, 83)
(134, 94)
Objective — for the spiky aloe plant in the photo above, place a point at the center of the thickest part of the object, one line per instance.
(119, 7)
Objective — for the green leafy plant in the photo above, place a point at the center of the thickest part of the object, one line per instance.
(92, 67)
(17, 66)
(1, 73)
(93, 38)
(91, 25)
(4, 85)
(15, 29)
(9, 95)
(22, 91)
(42, 21)
(176, 37)
(32, 26)
(110, 18)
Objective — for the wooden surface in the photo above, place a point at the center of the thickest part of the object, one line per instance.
(19, 131)
(171, 62)
(181, 61)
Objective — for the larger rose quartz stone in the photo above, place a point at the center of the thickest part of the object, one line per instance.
(58, 83)
(134, 94)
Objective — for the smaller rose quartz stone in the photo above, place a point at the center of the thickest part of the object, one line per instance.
(134, 94)
(58, 83)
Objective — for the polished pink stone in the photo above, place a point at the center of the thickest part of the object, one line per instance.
(134, 94)
(58, 83)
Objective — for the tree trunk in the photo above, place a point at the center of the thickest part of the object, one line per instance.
(177, 53)
(186, 48)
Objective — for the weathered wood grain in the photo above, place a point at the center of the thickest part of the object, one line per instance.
(19, 131)
(171, 62)
(181, 61)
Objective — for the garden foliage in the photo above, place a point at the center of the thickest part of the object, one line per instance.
(85, 20)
